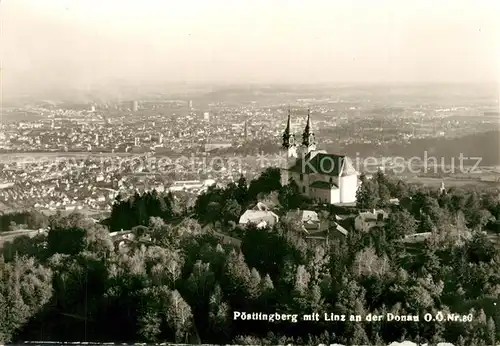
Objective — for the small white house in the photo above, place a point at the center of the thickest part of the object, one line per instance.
(367, 220)
(260, 215)
(309, 218)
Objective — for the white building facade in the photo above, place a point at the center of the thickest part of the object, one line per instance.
(323, 177)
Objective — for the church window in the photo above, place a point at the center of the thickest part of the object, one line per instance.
(303, 189)
(301, 177)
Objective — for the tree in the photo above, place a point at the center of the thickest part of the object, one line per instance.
(36, 220)
(418, 299)
(430, 206)
(177, 205)
(315, 298)
(317, 263)
(236, 278)
(266, 284)
(302, 278)
(23, 246)
(13, 226)
(481, 218)
(201, 282)
(367, 263)
(254, 284)
(163, 266)
(209, 202)
(290, 196)
(156, 224)
(149, 326)
(66, 238)
(384, 196)
(400, 190)
(367, 195)
(458, 200)
(358, 336)
(230, 191)
(231, 210)
(152, 315)
(25, 287)
(219, 320)
(97, 240)
(268, 181)
(380, 178)
(186, 279)
(270, 200)
(351, 298)
(179, 316)
(301, 292)
(213, 212)
(242, 192)
(480, 249)
(400, 224)
(472, 206)
(363, 178)
(426, 225)
(140, 231)
(491, 332)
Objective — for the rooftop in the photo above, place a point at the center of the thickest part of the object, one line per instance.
(324, 163)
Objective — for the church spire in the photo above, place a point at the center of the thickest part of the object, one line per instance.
(308, 135)
(287, 135)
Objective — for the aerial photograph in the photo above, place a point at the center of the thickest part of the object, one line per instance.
(224, 172)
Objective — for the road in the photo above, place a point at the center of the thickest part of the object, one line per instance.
(10, 236)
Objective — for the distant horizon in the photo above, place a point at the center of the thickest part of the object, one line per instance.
(224, 84)
(87, 44)
(184, 90)
(118, 86)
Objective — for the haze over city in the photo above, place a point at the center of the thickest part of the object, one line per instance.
(87, 44)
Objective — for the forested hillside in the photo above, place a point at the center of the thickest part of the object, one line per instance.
(484, 145)
(175, 280)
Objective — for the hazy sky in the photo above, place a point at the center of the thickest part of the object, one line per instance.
(46, 43)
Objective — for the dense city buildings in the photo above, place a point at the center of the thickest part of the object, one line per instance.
(76, 155)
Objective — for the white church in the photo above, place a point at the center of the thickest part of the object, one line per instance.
(323, 177)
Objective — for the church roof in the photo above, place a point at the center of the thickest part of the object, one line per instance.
(323, 185)
(323, 163)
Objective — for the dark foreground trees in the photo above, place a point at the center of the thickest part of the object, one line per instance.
(177, 282)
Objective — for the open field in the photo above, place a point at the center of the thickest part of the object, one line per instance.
(450, 182)
(84, 211)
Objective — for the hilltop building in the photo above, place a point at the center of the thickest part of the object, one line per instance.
(321, 176)
(365, 221)
(260, 215)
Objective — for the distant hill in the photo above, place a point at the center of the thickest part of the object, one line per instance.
(485, 145)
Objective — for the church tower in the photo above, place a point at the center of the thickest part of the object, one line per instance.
(290, 148)
(442, 189)
(308, 140)
(289, 138)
